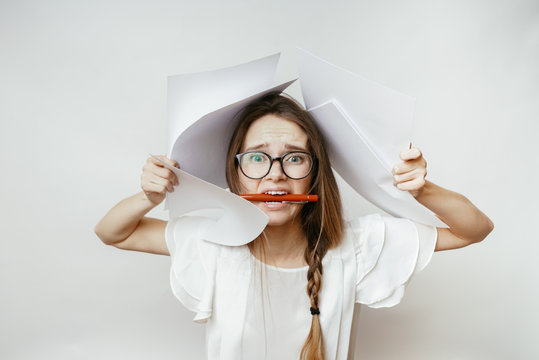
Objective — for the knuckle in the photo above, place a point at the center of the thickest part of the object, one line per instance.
(403, 153)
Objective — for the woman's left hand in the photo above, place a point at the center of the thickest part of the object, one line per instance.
(409, 175)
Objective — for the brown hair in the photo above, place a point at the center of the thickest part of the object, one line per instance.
(321, 221)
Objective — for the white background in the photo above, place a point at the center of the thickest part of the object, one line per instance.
(82, 103)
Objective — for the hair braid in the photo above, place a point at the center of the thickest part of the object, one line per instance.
(313, 349)
(314, 278)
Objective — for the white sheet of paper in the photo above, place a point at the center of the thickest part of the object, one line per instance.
(191, 96)
(200, 111)
(201, 148)
(383, 115)
(237, 221)
(362, 169)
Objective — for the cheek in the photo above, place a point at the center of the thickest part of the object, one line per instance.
(247, 185)
(306, 185)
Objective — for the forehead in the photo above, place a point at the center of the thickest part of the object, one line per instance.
(274, 131)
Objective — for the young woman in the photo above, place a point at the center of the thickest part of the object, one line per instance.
(290, 293)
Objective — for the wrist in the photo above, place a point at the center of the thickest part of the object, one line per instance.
(145, 203)
(425, 192)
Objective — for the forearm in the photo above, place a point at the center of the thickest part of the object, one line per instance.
(464, 219)
(123, 218)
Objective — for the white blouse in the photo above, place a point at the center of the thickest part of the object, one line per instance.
(257, 311)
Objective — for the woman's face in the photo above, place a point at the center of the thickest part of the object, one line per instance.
(275, 136)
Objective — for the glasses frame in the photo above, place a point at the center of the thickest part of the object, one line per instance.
(272, 160)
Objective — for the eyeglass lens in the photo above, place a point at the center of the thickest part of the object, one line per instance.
(295, 165)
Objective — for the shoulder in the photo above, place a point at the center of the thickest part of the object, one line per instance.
(185, 239)
(388, 251)
(372, 233)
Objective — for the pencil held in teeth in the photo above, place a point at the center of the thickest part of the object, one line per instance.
(276, 198)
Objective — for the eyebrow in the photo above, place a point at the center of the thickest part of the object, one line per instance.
(286, 146)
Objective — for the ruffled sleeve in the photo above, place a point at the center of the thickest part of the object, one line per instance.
(389, 251)
(192, 272)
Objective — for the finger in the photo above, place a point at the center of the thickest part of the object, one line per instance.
(152, 187)
(410, 154)
(410, 175)
(171, 162)
(174, 180)
(168, 175)
(412, 185)
(154, 160)
(160, 159)
(163, 185)
(404, 167)
(165, 174)
(160, 171)
(157, 175)
(409, 165)
(167, 183)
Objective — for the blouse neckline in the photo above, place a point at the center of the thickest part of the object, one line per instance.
(273, 267)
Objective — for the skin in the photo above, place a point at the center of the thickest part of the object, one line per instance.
(126, 227)
(277, 136)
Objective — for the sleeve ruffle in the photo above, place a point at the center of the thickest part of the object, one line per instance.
(389, 251)
(192, 271)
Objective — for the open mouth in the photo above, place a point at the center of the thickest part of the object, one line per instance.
(275, 192)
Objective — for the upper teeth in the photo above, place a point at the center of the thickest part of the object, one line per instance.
(276, 192)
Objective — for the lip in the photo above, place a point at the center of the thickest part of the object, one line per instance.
(273, 206)
(275, 189)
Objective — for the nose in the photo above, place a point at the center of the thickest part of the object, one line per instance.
(276, 171)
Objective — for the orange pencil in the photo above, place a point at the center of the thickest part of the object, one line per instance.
(282, 198)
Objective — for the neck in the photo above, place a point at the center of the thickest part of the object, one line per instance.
(285, 245)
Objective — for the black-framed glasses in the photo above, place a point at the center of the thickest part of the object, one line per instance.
(257, 164)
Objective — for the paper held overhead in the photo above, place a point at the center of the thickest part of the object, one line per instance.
(201, 113)
(384, 116)
(359, 166)
(201, 148)
(366, 126)
(191, 96)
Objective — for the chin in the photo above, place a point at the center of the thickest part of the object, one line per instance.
(277, 222)
(280, 218)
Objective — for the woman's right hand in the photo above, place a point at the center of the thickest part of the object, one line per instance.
(156, 179)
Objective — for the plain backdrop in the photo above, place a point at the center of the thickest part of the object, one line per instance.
(82, 104)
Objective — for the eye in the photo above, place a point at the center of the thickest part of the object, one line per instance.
(296, 158)
(255, 157)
